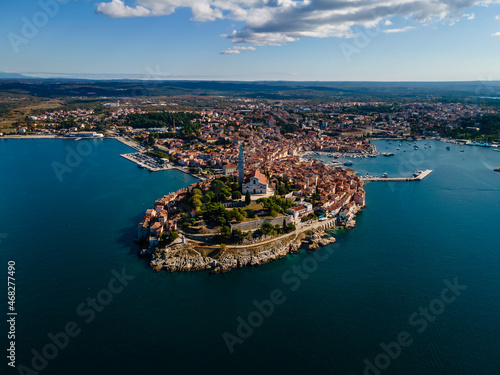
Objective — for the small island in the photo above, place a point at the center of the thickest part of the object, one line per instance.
(248, 218)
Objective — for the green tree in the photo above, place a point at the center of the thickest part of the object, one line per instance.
(280, 190)
(268, 229)
(236, 195)
(248, 199)
(172, 236)
(220, 190)
(237, 235)
(208, 197)
(215, 214)
(226, 232)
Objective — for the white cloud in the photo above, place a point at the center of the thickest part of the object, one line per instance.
(402, 30)
(470, 17)
(236, 50)
(274, 22)
(497, 17)
(117, 9)
(496, 34)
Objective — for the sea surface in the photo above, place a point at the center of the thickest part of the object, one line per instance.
(69, 213)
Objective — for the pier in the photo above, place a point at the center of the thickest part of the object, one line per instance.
(420, 177)
(151, 164)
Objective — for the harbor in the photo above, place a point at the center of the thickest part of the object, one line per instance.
(418, 176)
(144, 161)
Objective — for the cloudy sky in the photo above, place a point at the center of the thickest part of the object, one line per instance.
(339, 40)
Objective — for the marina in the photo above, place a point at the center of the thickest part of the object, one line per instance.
(418, 176)
(145, 161)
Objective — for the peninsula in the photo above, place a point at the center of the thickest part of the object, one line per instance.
(268, 205)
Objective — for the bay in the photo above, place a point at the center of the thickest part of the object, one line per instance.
(68, 235)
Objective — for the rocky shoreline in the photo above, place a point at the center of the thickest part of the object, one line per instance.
(185, 258)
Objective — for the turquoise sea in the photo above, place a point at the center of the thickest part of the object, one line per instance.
(335, 310)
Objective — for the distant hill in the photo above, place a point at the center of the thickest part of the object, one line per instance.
(4, 75)
(13, 83)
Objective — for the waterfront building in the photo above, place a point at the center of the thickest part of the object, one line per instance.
(300, 210)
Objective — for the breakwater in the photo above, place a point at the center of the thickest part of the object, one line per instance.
(420, 177)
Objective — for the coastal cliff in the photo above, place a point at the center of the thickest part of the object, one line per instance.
(186, 257)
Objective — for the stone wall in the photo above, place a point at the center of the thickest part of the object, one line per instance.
(250, 225)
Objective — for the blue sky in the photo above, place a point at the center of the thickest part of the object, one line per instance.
(254, 39)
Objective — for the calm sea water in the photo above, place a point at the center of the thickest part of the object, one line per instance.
(68, 234)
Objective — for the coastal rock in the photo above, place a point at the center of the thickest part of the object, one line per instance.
(313, 246)
(185, 257)
(326, 240)
(294, 247)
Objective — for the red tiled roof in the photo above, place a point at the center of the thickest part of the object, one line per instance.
(262, 179)
(297, 208)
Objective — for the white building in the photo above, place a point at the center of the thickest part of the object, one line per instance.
(300, 210)
(255, 183)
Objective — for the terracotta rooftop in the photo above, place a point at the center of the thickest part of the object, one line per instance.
(262, 179)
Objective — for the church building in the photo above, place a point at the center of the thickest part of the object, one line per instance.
(255, 183)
